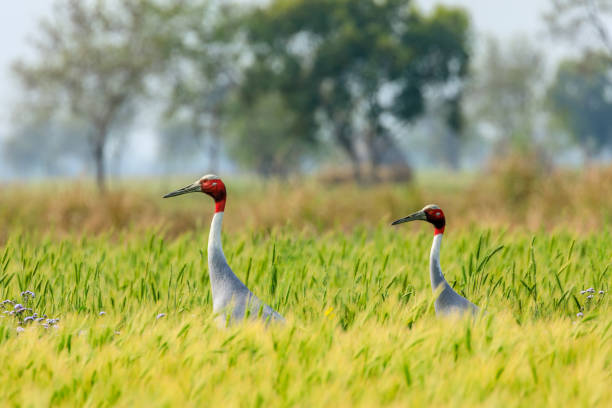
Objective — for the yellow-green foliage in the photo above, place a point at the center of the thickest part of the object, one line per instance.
(361, 329)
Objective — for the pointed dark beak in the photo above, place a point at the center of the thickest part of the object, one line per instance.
(419, 215)
(192, 188)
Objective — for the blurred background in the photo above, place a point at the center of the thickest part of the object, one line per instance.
(489, 108)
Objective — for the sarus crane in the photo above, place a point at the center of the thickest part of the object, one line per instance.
(448, 301)
(232, 300)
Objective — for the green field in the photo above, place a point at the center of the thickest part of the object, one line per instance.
(361, 328)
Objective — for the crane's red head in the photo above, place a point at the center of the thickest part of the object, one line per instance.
(209, 184)
(431, 213)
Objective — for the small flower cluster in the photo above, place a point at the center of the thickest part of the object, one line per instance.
(590, 292)
(24, 314)
(27, 295)
(590, 295)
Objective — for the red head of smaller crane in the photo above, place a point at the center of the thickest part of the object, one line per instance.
(209, 184)
(430, 213)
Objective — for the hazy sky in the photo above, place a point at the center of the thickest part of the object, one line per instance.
(19, 19)
(499, 17)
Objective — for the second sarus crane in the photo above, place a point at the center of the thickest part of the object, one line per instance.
(449, 301)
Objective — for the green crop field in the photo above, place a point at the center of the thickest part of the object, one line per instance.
(361, 329)
(127, 277)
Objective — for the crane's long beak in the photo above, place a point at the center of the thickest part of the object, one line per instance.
(419, 215)
(192, 188)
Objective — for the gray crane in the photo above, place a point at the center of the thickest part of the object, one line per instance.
(232, 300)
(448, 302)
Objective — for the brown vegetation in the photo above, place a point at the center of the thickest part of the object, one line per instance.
(385, 174)
(510, 194)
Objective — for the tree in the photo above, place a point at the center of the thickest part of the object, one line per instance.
(264, 137)
(578, 20)
(346, 67)
(504, 96)
(93, 60)
(581, 97)
(204, 69)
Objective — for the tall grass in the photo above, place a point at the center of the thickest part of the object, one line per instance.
(361, 327)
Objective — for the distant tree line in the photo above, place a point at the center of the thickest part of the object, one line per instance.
(581, 93)
(296, 81)
(275, 84)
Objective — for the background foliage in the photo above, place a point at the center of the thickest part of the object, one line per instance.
(291, 87)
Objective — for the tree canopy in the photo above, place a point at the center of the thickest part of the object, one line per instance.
(349, 67)
(93, 60)
(581, 96)
(280, 79)
(505, 93)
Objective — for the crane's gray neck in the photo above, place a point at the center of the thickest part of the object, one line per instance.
(218, 269)
(435, 271)
(214, 237)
